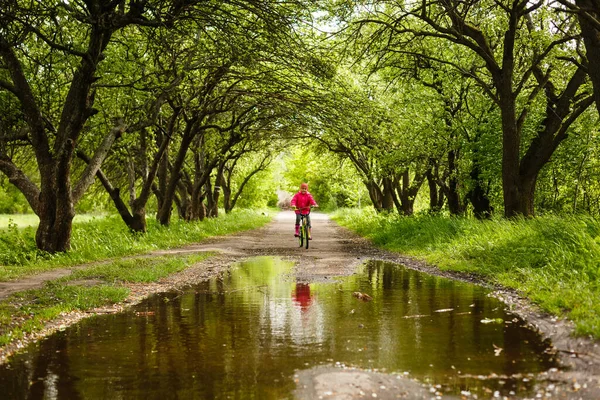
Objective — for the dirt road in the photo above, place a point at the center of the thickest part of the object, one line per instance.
(335, 252)
(332, 252)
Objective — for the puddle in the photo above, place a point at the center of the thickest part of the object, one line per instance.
(245, 334)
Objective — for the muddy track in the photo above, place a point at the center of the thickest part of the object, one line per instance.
(337, 252)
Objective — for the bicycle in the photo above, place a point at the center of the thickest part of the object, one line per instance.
(303, 236)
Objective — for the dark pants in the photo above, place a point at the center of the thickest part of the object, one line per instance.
(307, 216)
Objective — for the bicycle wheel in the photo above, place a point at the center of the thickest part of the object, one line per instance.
(302, 229)
(306, 235)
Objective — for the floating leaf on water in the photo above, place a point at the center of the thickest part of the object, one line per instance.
(144, 313)
(492, 321)
(362, 296)
(497, 350)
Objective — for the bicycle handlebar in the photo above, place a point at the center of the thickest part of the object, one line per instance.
(304, 208)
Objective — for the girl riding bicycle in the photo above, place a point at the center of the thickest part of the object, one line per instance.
(301, 203)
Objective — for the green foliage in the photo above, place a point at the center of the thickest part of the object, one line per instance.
(570, 182)
(12, 201)
(95, 201)
(259, 192)
(333, 182)
(553, 260)
(109, 237)
(17, 246)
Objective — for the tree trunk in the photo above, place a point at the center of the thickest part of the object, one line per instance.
(478, 196)
(434, 197)
(441, 199)
(209, 198)
(527, 188)
(375, 194)
(407, 198)
(227, 198)
(455, 205)
(163, 177)
(202, 170)
(591, 38)
(197, 199)
(395, 186)
(511, 141)
(138, 221)
(388, 199)
(183, 200)
(55, 203)
(56, 221)
(212, 198)
(407, 190)
(57, 210)
(215, 208)
(219, 183)
(201, 212)
(561, 112)
(164, 213)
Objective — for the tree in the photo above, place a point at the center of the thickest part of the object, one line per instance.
(512, 57)
(364, 123)
(74, 36)
(588, 14)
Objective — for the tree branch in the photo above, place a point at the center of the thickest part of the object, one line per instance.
(21, 181)
(87, 177)
(29, 106)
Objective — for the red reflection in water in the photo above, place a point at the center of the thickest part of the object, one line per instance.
(302, 296)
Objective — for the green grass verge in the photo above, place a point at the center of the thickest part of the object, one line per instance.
(28, 311)
(140, 270)
(554, 261)
(108, 237)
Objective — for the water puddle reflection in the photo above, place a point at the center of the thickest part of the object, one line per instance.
(245, 334)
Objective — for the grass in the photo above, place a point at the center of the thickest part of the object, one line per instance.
(20, 220)
(139, 270)
(108, 237)
(28, 311)
(554, 261)
(32, 220)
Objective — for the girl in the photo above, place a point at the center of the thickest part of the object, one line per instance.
(301, 203)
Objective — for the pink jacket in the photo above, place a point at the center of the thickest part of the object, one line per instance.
(303, 202)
